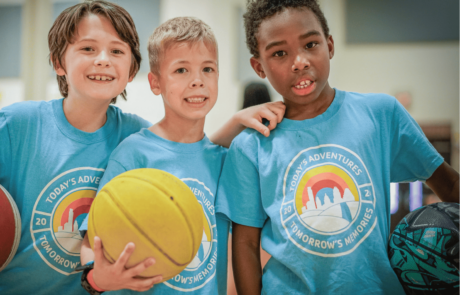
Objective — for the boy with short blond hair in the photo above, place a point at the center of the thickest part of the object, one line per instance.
(316, 191)
(184, 71)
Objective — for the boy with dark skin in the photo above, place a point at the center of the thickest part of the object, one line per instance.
(314, 252)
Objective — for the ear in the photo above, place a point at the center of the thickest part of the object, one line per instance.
(257, 66)
(60, 71)
(330, 46)
(154, 82)
(131, 78)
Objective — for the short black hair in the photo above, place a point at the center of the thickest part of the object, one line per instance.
(259, 10)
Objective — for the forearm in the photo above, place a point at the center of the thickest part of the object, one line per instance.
(228, 132)
(86, 253)
(445, 183)
(453, 195)
(247, 269)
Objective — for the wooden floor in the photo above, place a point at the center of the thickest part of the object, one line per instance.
(231, 290)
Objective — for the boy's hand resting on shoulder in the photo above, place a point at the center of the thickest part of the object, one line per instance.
(250, 118)
(116, 276)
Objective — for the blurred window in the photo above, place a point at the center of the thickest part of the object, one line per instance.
(379, 21)
(146, 16)
(10, 36)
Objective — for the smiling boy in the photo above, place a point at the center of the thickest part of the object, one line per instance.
(184, 71)
(53, 153)
(316, 191)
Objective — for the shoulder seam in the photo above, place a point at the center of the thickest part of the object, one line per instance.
(119, 164)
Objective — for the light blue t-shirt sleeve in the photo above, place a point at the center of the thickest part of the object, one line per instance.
(5, 152)
(238, 194)
(113, 169)
(412, 155)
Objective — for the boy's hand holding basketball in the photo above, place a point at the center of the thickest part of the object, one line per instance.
(116, 276)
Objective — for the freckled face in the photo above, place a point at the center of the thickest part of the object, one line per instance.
(97, 64)
(295, 56)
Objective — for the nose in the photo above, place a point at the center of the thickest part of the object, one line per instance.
(102, 59)
(301, 62)
(197, 82)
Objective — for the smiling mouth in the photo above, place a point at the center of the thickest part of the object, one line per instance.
(303, 84)
(101, 78)
(195, 99)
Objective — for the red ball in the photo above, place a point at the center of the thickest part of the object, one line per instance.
(10, 228)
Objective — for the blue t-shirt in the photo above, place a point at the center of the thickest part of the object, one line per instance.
(319, 189)
(52, 171)
(199, 166)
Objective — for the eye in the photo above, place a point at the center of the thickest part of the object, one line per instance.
(208, 70)
(87, 49)
(279, 53)
(311, 45)
(181, 71)
(117, 51)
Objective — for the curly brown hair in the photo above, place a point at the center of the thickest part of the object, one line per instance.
(259, 10)
(63, 31)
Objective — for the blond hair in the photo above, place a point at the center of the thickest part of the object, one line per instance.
(176, 30)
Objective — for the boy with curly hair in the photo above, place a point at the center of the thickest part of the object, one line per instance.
(316, 191)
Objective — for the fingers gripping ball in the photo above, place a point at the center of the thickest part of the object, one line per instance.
(423, 250)
(157, 212)
(10, 229)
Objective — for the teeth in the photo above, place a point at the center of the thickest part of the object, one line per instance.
(303, 84)
(195, 99)
(100, 78)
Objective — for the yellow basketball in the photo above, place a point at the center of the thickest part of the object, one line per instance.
(157, 212)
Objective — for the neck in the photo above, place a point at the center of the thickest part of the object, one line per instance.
(86, 115)
(179, 129)
(296, 111)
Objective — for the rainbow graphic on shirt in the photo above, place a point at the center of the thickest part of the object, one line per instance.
(329, 202)
(327, 198)
(58, 213)
(68, 217)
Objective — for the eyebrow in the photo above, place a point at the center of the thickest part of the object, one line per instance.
(94, 40)
(187, 62)
(304, 36)
(311, 33)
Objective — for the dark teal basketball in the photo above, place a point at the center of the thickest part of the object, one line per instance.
(423, 250)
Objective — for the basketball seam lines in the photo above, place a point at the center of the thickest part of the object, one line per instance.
(177, 205)
(143, 233)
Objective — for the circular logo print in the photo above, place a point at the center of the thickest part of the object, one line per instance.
(328, 205)
(203, 266)
(59, 211)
